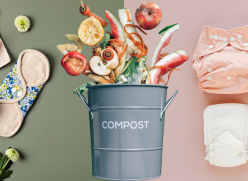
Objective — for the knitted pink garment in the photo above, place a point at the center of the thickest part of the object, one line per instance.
(4, 56)
(221, 60)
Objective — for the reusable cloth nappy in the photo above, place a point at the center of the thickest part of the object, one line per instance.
(20, 88)
(221, 60)
(225, 134)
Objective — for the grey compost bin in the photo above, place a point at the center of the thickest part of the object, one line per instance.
(127, 125)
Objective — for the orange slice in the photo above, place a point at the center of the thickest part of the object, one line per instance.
(91, 31)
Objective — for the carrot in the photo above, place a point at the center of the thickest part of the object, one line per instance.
(110, 33)
(128, 15)
(164, 54)
(139, 44)
(85, 10)
(124, 48)
(123, 52)
(112, 76)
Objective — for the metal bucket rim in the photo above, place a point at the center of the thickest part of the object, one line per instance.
(128, 85)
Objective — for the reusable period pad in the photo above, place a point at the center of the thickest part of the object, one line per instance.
(20, 88)
(221, 60)
(4, 56)
(225, 134)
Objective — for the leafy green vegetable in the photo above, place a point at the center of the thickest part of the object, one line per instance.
(82, 88)
(132, 71)
(126, 66)
(105, 42)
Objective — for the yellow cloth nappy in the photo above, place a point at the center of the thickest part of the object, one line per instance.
(225, 134)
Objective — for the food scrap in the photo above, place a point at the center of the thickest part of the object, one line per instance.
(85, 10)
(121, 57)
(66, 48)
(74, 63)
(91, 31)
(148, 15)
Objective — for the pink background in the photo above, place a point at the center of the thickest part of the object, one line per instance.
(184, 150)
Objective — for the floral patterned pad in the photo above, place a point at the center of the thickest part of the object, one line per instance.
(12, 88)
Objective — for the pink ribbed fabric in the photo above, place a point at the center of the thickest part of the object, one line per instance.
(8, 112)
(33, 70)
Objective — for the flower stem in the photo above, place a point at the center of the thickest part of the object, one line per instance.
(4, 166)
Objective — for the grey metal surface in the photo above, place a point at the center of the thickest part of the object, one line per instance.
(126, 130)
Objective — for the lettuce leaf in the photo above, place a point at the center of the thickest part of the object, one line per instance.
(82, 87)
(132, 71)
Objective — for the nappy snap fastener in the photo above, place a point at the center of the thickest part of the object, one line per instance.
(224, 39)
(228, 77)
(240, 36)
(232, 39)
(246, 44)
(209, 70)
(228, 66)
(228, 55)
(19, 93)
(220, 38)
(210, 46)
(216, 37)
(209, 78)
(211, 37)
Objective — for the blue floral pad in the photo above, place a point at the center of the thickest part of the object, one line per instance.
(11, 88)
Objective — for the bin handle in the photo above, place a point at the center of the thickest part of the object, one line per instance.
(167, 105)
(85, 103)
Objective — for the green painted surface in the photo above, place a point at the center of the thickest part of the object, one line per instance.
(54, 140)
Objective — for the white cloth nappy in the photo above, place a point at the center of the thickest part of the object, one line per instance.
(225, 134)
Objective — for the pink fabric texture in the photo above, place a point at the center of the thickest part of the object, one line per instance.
(4, 56)
(221, 60)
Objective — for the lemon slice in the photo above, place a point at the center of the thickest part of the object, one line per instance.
(91, 31)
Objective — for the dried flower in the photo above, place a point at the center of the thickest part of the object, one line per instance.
(12, 154)
(22, 23)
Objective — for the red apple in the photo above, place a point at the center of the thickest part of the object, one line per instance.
(148, 15)
(74, 63)
(87, 69)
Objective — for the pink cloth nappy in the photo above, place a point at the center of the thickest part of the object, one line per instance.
(221, 60)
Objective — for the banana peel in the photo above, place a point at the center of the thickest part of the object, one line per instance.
(66, 48)
(62, 49)
(76, 40)
(98, 78)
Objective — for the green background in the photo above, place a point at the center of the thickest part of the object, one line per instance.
(54, 140)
